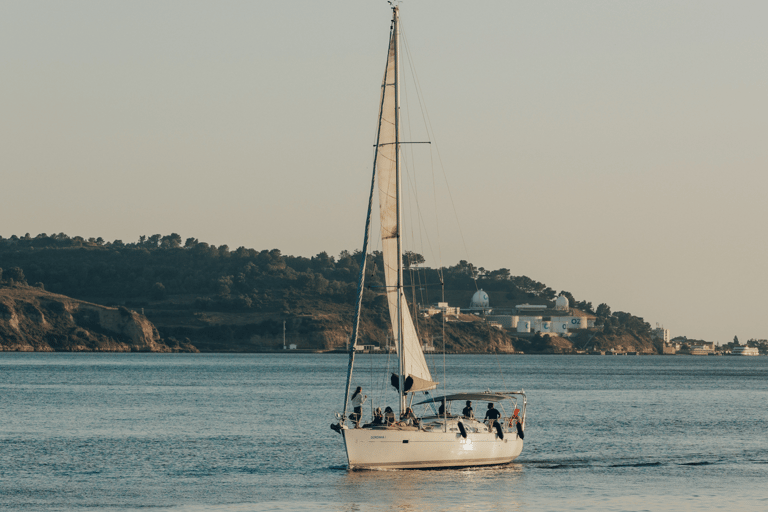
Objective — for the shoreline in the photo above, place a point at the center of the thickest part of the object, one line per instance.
(325, 352)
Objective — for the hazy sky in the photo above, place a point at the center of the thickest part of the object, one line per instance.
(613, 149)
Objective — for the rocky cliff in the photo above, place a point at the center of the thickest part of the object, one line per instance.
(32, 319)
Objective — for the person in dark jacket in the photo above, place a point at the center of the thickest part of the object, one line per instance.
(468, 412)
(491, 415)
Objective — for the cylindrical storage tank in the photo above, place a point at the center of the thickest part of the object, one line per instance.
(515, 319)
(523, 326)
(579, 322)
(545, 326)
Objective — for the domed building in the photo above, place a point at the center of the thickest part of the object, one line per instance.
(561, 303)
(479, 300)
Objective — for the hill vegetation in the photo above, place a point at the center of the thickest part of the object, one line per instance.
(216, 299)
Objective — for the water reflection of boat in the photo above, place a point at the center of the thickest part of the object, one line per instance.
(440, 437)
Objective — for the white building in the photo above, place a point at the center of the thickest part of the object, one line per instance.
(441, 307)
(660, 333)
(538, 318)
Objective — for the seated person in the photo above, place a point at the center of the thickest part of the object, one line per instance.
(491, 415)
(389, 416)
(441, 411)
(378, 417)
(468, 412)
(409, 418)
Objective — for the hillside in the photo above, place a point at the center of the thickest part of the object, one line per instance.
(32, 319)
(209, 298)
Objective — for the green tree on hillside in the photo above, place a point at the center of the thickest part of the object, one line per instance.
(411, 258)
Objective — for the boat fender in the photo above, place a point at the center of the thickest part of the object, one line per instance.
(336, 427)
(498, 429)
(462, 430)
(520, 432)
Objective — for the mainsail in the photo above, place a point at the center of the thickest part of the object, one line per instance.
(413, 363)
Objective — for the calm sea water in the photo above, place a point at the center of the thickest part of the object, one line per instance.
(251, 432)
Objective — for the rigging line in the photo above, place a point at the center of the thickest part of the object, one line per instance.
(408, 233)
(411, 170)
(413, 188)
(444, 388)
(424, 116)
(414, 194)
(407, 48)
(421, 285)
(428, 122)
(370, 357)
(422, 109)
(401, 143)
(422, 225)
(434, 197)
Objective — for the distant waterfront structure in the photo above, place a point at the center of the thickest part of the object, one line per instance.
(745, 351)
(703, 349)
(669, 350)
(660, 333)
(440, 307)
(532, 318)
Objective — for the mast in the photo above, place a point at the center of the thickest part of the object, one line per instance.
(401, 349)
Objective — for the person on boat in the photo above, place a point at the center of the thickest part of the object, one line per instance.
(491, 415)
(408, 417)
(378, 418)
(441, 411)
(468, 412)
(389, 416)
(358, 399)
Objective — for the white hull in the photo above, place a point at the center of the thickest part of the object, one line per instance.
(413, 449)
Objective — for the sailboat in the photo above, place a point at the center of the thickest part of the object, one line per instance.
(438, 438)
